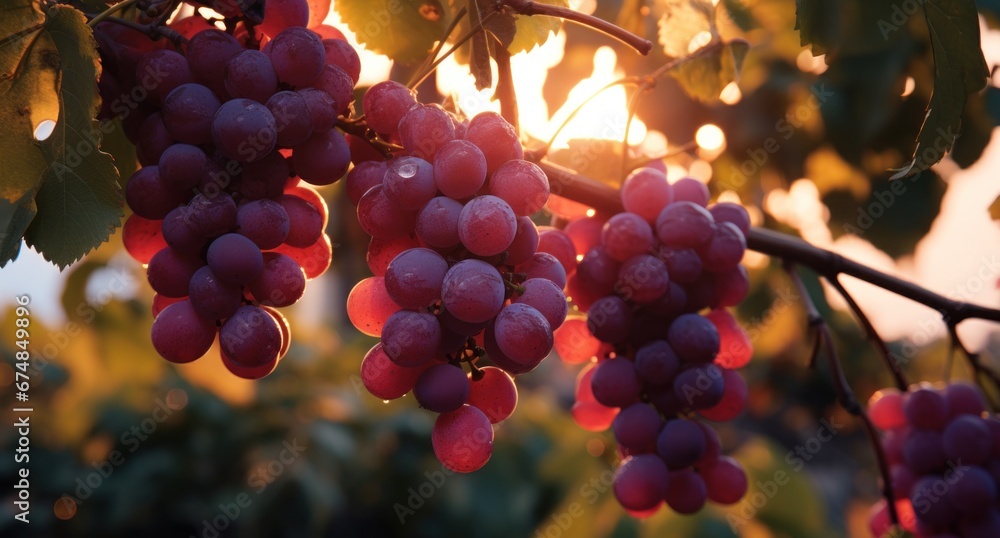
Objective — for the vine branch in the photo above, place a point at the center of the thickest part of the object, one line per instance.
(530, 8)
(845, 395)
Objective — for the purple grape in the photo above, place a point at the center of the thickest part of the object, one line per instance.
(266, 178)
(251, 337)
(641, 482)
(929, 504)
(343, 55)
(646, 192)
(188, 113)
(732, 286)
(305, 223)
(366, 175)
(213, 215)
(687, 492)
(973, 490)
(543, 295)
(280, 283)
(244, 130)
(291, 118)
(522, 184)
(264, 222)
(211, 297)
(923, 451)
(169, 272)
(424, 129)
(323, 159)
(642, 279)
(609, 319)
(180, 335)
(684, 225)
(726, 481)
(544, 265)
(381, 218)
(322, 109)
(385, 103)
(181, 166)
(683, 264)
(487, 225)
(599, 271)
(691, 190)
(160, 71)
(409, 183)
(459, 169)
(734, 213)
(523, 334)
(410, 338)
(149, 195)
(235, 259)
(473, 291)
(680, 443)
(179, 232)
(525, 242)
(926, 409)
(657, 364)
(694, 338)
(249, 74)
(700, 387)
(967, 439)
(496, 138)
(207, 54)
(337, 84)
(414, 278)
(636, 428)
(615, 383)
(442, 388)
(626, 235)
(298, 56)
(437, 222)
(963, 398)
(725, 250)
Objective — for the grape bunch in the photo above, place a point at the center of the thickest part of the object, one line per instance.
(654, 282)
(944, 453)
(224, 134)
(460, 273)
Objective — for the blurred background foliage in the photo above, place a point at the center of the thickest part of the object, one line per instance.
(192, 441)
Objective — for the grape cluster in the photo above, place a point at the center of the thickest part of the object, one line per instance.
(944, 452)
(654, 282)
(224, 134)
(460, 270)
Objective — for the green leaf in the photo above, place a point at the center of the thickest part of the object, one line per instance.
(79, 201)
(535, 30)
(29, 83)
(707, 72)
(14, 220)
(682, 22)
(812, 23)
(404, 30)
(959, 70)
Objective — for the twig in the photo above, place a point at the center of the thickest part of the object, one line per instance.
(505, 86)
(845, 395)
(110, 11)
(544, 150)
(527, 7)
(440, 44)
(978, 369)
(475, 30)
(877, 341)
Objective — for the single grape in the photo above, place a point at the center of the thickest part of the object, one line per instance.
(149, 195)
(305, 223)
(730, 212)
(298, 56)
(615, 383)
(636, 428)
(626, 235)
(725, 250)
(598, 271)
(152, 139)
(385, 379)
(363, 177)
(642, 279)
(699, 387)
(522, 184)
(142, 238)
(409, 183)
(683, 264)
(243, 130)
(735, 348)
(323, 158)
(657, 364)
(381, 218)
(343, 55)
(180, 335)
(641, 482)
(322, 109)
(680, 443)
(250, 337)
(930, 507)
(494, 393)
(685, 224)
(207, 54)
(689, 189)
(923, 451)
(964, 399)
(181, 166)
(437, 223)
(213, 215)
(280, 283)
(967, 439)
(585, 233)
(487, 225)
(411, 338)
(250, 373)
(726, 481)
(495, 138)
(973, 491)
(169, 272)
(885, 408)
(558, 244)
(381, 252)
(249, 74)
(414, 278)
(160, 71)
(593, 416)
(732, 286)
(280, 15)
(369, 306)
(235, 259)
(687, 492)
(525, 242)
(734, 399)
(646, 192)
(337, 84)
(212, 297)
(291, 118)
(424, 129)
(463, 439)
(523, 334)
(188, 112)
(926, 409)
(385, 103)
(694, 338)
(264, 222)
(544, 265)
(545, 297)
(442, 388)
(314, 259)
(459, 169)
(609, 319)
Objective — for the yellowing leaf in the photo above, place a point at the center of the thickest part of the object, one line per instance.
(535, 30)
(404, 30)
(685, 22)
